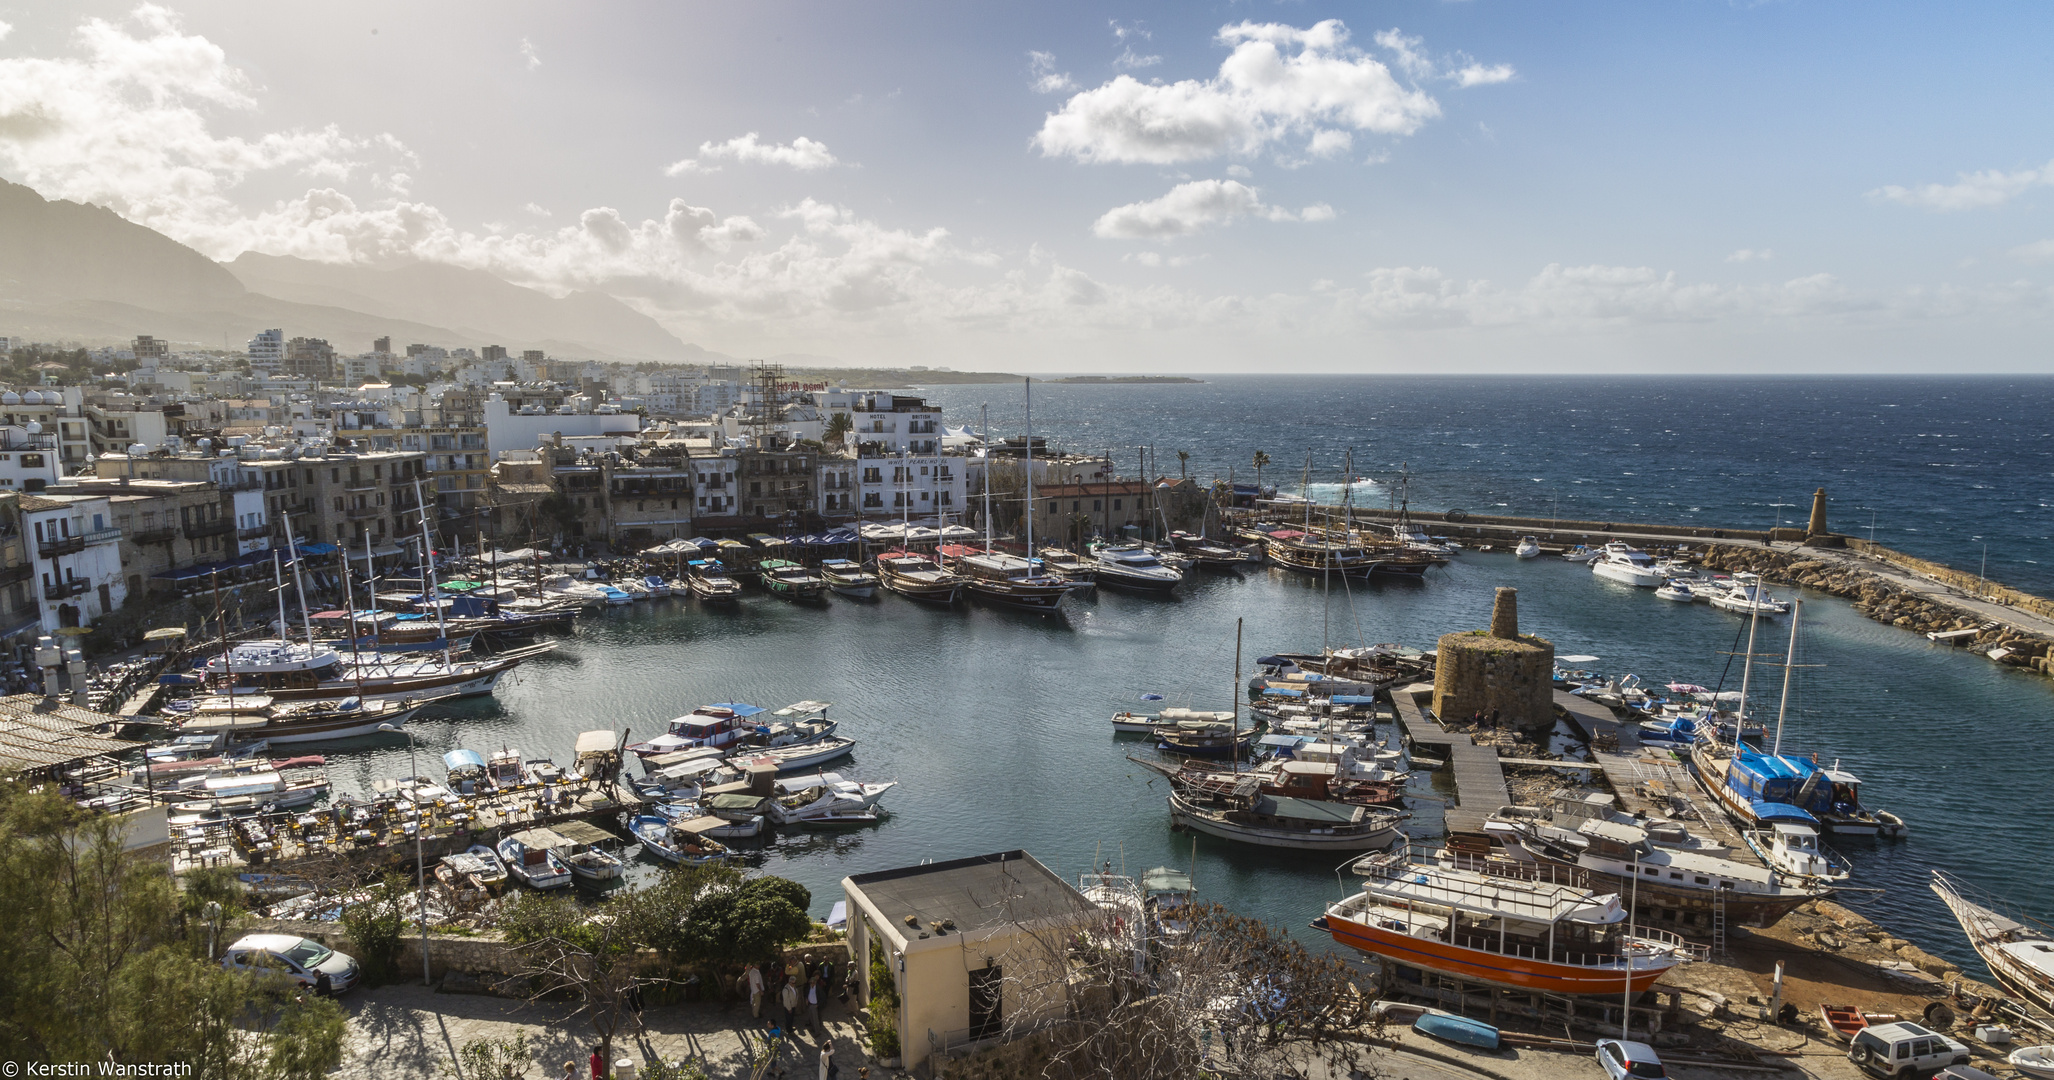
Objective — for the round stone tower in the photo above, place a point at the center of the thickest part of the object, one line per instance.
(1482, 670)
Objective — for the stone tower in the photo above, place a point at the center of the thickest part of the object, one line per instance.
(1482, 670)
(1818, 522)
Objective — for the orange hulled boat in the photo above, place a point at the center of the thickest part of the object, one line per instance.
(1456, 917)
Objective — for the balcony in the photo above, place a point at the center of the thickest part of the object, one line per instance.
(248, 483)
(64, 590)
(162, 535)
(12, 574)
(62, 545)
(216, 527)
(254, 532)
(360, 513)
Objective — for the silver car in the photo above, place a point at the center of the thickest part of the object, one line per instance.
(302, 960)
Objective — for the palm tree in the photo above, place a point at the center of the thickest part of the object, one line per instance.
(838, 425)
(1182, 457)
(1261, 459)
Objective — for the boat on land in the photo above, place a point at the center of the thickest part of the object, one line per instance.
(1134, 567)
(917, 577)
(1456, 918)
(2018, 950)
(1460, 1030)
(2034, 1061)
(1627, 565)
(849, 579)
(1844, 1021)
(709, 581)
(791, 581)
(1007, 580)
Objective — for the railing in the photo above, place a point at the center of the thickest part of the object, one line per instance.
(62, 545)
(196, 530)
(60, 590)
(254, 532)
(12, 574)
(359, 513)
(249, 483)
(154, 536)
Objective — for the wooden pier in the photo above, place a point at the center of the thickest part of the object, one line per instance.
(1479, 777)
(1648, 779)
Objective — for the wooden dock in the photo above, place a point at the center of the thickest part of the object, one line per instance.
(1649, 779)
(1479, 777)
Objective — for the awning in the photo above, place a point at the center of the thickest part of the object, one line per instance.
(463, 759)
(1282, 691)
(1352, 699)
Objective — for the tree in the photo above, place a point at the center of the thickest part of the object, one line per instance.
(101, 965)
(566, 950)
(1261, 459)
(838, 425)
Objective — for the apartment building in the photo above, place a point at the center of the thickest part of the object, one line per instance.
(76, 558)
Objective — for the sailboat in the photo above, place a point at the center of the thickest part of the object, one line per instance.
(1764, 790)
(1008, 580)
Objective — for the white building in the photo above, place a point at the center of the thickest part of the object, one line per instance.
(900, 469)
(76, 554)
(506, 429)
(28, 458)
(836, 487)
(713, 481)
(267, 351)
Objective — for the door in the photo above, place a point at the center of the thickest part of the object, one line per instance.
(987, 999)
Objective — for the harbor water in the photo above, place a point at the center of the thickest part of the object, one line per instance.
(994, 723)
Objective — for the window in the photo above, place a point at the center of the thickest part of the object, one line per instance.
(947, 499)
(1076, 505)
(1116, 504)
(1097, 504)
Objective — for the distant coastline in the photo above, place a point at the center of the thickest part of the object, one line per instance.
(893, 378)
(1124, 379)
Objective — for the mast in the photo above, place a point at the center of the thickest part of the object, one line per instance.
(1789, 665)
(1235, 699)
(349, 602)
(985, 411)
(278, 586)
(1030, 475)
(1754, 618)
(299, 587)
(428, 578)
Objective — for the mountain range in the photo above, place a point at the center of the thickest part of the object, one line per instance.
(72, 271)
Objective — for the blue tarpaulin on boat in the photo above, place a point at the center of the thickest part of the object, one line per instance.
(1282, 740)
(1784, 812)
(1282, 691)
(1352, 699)
(1151, 697)
(737, 707)
(318, 549)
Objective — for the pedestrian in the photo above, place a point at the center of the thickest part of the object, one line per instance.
(598, 1065)
(828, 1069)
(755, 977)
(1494, 719)
(813, 993)
(1476, 717)
(323, 985)
(789, 999)
(570, 1070)
(635, 1005)
(827, 982)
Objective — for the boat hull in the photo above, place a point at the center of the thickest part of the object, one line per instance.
(1023, 598)
(1290, 839)
(857, 592)
(1114, 579)
(1493, 969)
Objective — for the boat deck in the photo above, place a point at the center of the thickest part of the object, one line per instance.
(282, 841)
(1650, 779)
(1479, 777)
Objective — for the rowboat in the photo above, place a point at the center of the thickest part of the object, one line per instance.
(2034, 1061)
(1456, 1029)
(1844, 1021)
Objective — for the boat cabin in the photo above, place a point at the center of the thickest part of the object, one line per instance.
(274, 665)
(713, 725)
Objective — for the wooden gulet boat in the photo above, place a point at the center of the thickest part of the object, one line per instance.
(2019, 951)
(917, 577)
(1499, 931)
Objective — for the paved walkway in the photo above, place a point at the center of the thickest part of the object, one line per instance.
(410, 1031)
(1479, 779)
(1923, 586)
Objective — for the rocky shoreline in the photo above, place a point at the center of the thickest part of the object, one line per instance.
(1886, 602)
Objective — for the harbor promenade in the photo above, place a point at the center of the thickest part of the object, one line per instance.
(1647, 779)
(1479, 778)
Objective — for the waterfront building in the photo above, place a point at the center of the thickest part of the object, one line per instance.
(650, 499)
(76, 552)
(28, 458)
(900, 470)
(20, 611)
(776, 485)
(974, 945)
(1067, 514)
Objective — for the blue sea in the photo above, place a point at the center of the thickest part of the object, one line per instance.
(994, 723)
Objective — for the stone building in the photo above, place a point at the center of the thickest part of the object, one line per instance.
(1496, 670)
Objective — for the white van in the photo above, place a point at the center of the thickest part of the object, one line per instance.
(300, 959)
(1902, 1051)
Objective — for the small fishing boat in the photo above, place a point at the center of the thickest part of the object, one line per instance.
(1250, 817)
(849, 579)
(614, 597)
(1582, 554)
(1461, 1030)
(1676, 590)
(679, 842)
(1844, 1021)
(710, 582)
(581, 846)
(794, 758)
(1205, 738)
(535, 867)
(1529, 548)
(1214, 555)
(2034, 1061)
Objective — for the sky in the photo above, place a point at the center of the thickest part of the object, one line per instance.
(1420, 185)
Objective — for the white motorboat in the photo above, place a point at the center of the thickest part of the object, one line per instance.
(1677, 590)
(1529, 548)
(677, 842)
(1134, 566)
(1582, 554)
(1628, 566)
(535, 867)
(1748, 598)
(806, 755)
(1793, 850)
(2034, 1061)
(822, 795)
(657, 586)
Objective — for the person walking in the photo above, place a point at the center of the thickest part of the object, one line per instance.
(828, 1069)
(570, 1070)
(634, 996)
(789, 999)
(598, 1065)
(814, 990)
(755, 981)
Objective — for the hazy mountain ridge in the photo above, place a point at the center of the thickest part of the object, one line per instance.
(71, 271)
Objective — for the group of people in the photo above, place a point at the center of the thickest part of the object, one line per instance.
(797, 992)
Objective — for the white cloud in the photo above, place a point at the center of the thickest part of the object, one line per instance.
(1328, 142)
(1122, 32)
(1279, 84)
(536, 209)
(1240, 171)
(1156, 260)
(1131, 61)
(6, 28)
(1751, 255)
(529, 54)
(801, 153)
(1970, 191)
(1480, 75)
(2038, 251)
(1193, 206)
(1047, 80)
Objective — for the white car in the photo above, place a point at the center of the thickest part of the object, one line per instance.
(299, 959)
(1630, 1060)
(1904, 1050)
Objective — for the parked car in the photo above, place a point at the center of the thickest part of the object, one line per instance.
(300, 959)
(1630, 1060)
(1903, 1050)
